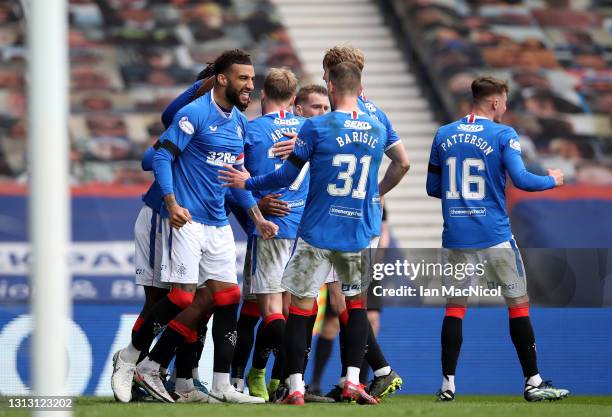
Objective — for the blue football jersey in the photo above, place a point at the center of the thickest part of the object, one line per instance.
(343, 205)
(207, 138)
(372, 110)
(153, 197)
(472, 156)
(368, 107)
(262, 134)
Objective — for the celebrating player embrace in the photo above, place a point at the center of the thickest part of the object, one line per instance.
(345, 149)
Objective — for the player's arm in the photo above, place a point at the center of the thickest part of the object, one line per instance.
(173, 141)
(399, 166)
(284, 148)
(282, 177)
(434, 173)
(523, 179)
(147, 159)
(244, 199)
(178, 103)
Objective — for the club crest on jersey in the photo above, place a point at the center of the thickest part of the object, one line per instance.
(186, 126)
(470, 128)
(515, 144)
(371, 108)
(357, 125)
(239, 131)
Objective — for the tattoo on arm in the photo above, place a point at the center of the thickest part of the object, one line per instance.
(169, 200)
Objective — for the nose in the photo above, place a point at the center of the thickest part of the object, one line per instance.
(250, 85)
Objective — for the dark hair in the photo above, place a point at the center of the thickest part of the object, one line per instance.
(484, 87)
(346, 78)
(307, 90)
(207, 72)
(228, 58)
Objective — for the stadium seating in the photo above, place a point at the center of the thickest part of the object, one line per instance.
(128, 60)
(556, 56)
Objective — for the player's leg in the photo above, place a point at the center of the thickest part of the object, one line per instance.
(309, 395)
(219, 263)
(505, 265)
(386, 381)
(149, 270)
(374, 319)
(324, 346)
(304, 275)
(351, 268)
(180, 266)
(202, 331)
(277, 370)
(337, 303)
(451, 340)
(247, 321)
(271, 257)
(452, 324)
(180, 338)
(269, 339)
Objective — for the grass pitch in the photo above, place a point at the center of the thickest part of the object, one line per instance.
(396, 406)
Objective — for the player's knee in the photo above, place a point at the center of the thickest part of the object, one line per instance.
(336, 304)
(355, 303)
(180, 297)
(330, 328)
(276, 324)
(203, 300)
(518, 307)
(455, 310)
(250, 308)
(227, 296)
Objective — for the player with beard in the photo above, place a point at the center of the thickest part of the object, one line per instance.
(148, 253)
(345, 149)
(198, 242)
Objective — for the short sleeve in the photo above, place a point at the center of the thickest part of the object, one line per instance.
(392, 136)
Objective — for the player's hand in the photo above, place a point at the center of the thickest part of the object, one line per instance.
(266, 229)
(557, 175)
(270, 205)
(233, 177)
(178, 216)
(284, 148)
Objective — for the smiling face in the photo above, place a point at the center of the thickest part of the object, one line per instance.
(239, 85)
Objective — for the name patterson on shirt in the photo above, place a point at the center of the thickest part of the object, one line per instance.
(469, 139)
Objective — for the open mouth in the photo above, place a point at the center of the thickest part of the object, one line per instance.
(245, 96)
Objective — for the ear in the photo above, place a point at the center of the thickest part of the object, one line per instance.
(263, 94)
(222, 80)
(360, 91)
(298, 109)
(495, 103)
(291, 101)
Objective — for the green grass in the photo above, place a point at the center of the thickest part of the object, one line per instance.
(399, 405)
